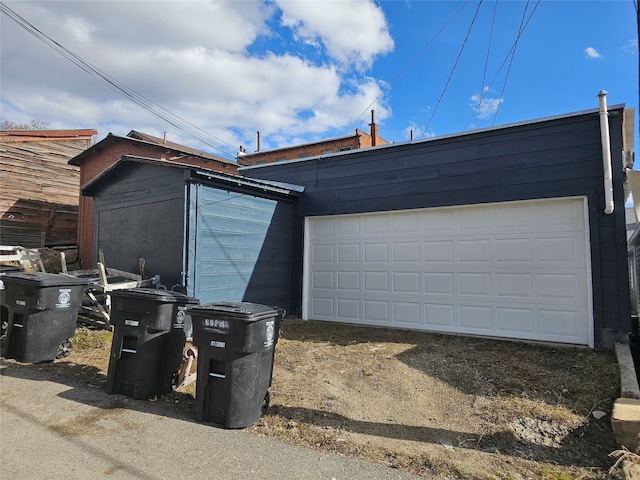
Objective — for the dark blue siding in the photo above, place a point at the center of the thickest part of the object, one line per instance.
(240, 247)
(141, 215)
(214, 238)
(558, 157)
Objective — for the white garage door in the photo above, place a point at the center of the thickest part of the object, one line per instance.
(515, 270)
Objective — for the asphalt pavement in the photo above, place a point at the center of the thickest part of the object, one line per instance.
(55, 428)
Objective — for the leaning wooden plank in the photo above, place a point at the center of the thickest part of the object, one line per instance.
(120, 273)
(97, 307)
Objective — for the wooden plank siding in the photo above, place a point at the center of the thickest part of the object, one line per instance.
(39, 190)
(559, 157)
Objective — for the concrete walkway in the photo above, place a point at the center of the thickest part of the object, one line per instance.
(50, 430)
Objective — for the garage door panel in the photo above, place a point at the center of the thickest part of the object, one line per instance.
(322, 280)
(405, 252)
(515, 320)
(439, 314)
(558, 250)
(376, 282)
(322, 308)
(514, 285)
(474, 283)
(440, 251)
(377, 311)
(437, 223)
(439, 283)
(349, 281)
(517, 270)
(474, 251)
(376, 252)
(560, 322)
(475, 318)
(513, 250)
(323, 253)
(406, 313)
(406, 282)
(349, 308)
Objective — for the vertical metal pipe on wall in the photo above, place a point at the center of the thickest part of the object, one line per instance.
(606, 153)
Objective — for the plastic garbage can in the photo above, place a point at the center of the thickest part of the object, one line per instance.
(42, 311)
(148, 341)
(236, 346)
(4, 308)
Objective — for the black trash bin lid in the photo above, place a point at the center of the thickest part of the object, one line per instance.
(241, 311)
(42, 279)
(154, 294)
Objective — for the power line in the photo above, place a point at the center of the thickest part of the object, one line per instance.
(406, 67)
(148, 105)
(453, 68)
(486, 66)
(523, 25)
(509, 56)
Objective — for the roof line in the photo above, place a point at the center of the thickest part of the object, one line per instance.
(436, 138)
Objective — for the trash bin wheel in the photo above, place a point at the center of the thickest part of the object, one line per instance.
(265, 403)
(64, 349)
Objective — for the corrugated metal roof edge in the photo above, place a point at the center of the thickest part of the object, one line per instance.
(279, 187)
(265, 185)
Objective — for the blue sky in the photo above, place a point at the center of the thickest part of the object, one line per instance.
(298, 71)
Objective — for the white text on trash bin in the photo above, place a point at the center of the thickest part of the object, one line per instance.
(64, 298)
(179, 323)
(216, 325)
(270, 333)
(217, 344)
(131, 323)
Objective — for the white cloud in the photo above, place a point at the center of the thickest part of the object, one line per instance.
(78, 29)
(631, 46)
(195, 60)
(353, 32)
(591, 52)
(485, 106)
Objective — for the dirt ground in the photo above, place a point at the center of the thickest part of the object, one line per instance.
(441, 406)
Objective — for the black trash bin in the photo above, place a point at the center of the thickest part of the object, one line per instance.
(236, 346)
(4, 308)
(42, 310)
(148, 341)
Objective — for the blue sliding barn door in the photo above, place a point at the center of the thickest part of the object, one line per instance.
(240, 247)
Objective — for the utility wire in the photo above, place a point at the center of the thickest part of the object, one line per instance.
(486, 65)
(504, 62)
(452, 69)
(406, 67)
(523, 25)
(148, 105)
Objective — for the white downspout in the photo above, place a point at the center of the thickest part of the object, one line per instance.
(606, 153)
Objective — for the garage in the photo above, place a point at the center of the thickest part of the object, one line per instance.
(514, 269)
(507, 232)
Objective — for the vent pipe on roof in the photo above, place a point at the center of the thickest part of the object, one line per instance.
(606, 153)
(164, 140)
(258, 149)
(374, 130)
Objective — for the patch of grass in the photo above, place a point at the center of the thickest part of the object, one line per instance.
(552, 474)
(86, 338)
